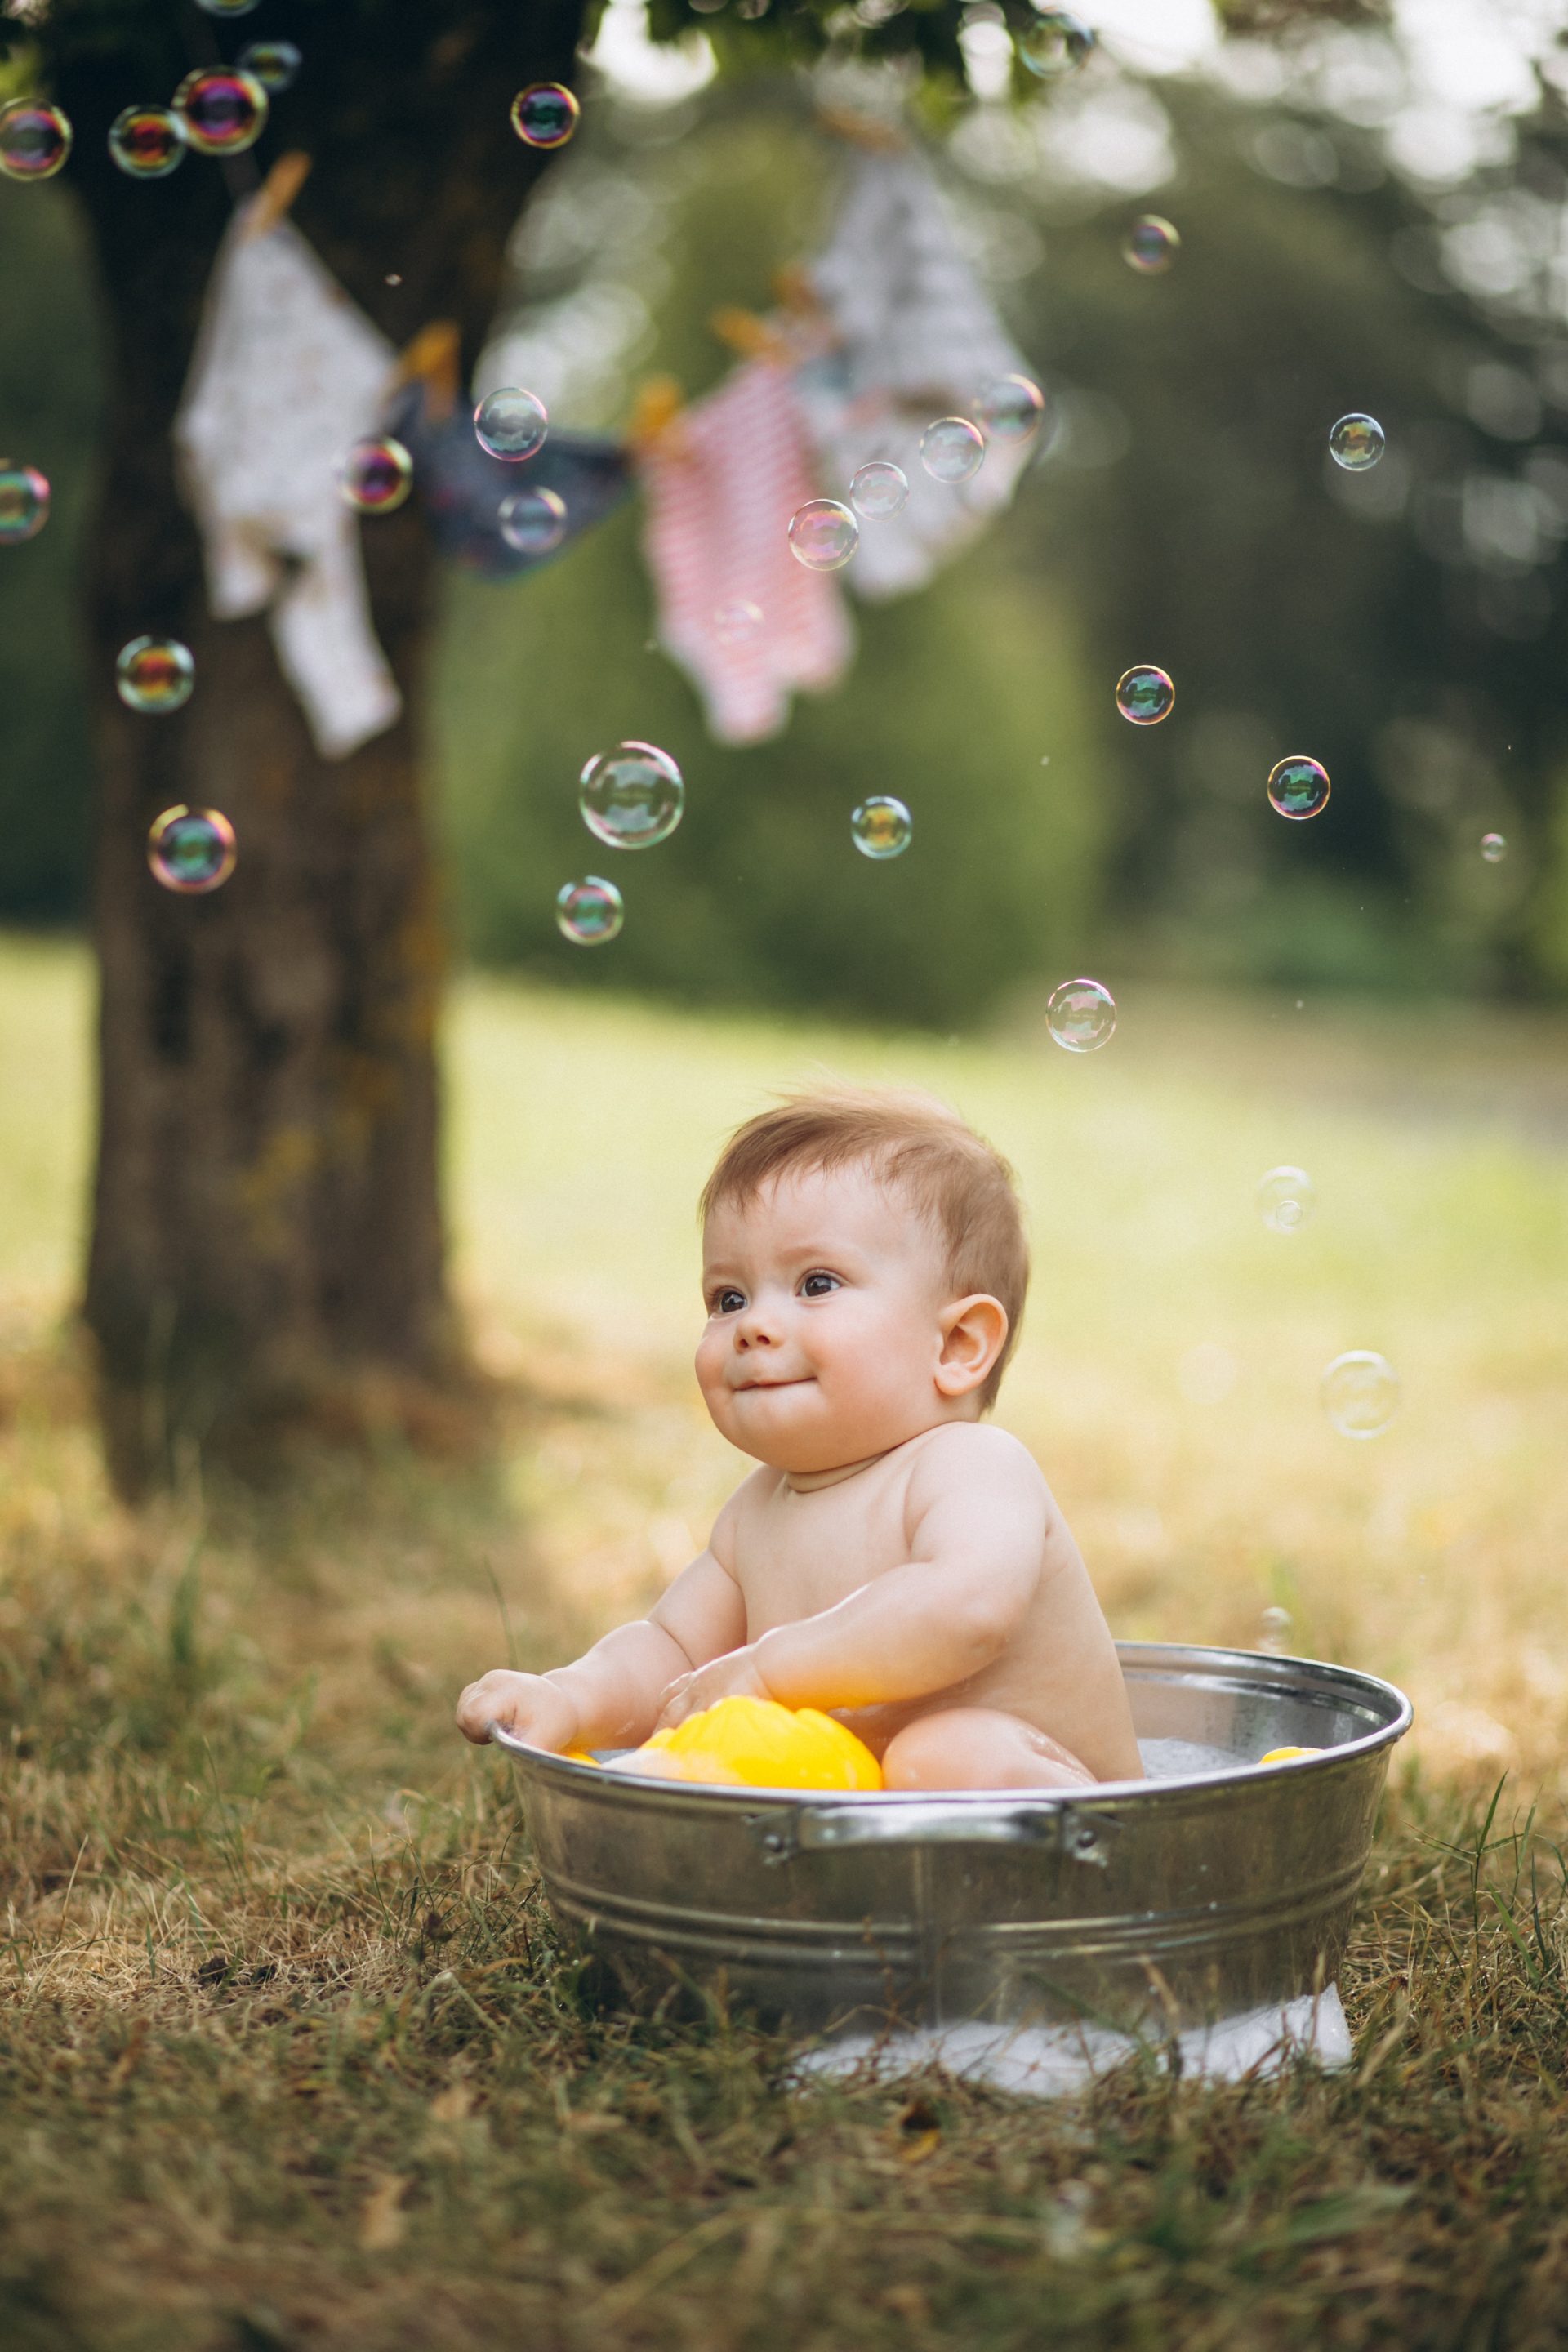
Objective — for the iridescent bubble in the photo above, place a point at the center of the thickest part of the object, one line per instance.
(632, 796)
(154, 675)
(191, 849)
(1494, 848)
(1057, 44)
(952, 450)
(377, 475)
(225, 109)
(510, 424)
(545, 114)
(1151, 245)
(228, 8)
(1356, 442)
(589, 912)
(148, 142)
(34, 140)
(1286, 1199)
(275, 64)
(533, 521)
(24, 503)
(1298, 787)
(1145, 695)
(738, 622)
(1361, 1393)
(1276, 1625)
(882, 826)
(1081, 1015)
(822, 535)
(1011, 409)
(878, 489)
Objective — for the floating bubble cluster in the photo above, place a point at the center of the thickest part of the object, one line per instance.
(545, 114)
(1057, 45)
(1145, 695)
(589, 912)
(225, 109)
(822, 535)
(34, 140)
(878, 489)
(1151, 245)
(24, 502)
(154, 675)
(633, 796)
(882, 826)
(1494, 848)
(1298, 787)
(738, 622)
(510, 424)
(1011, 409)
(952, 450)
(377, 475)
(533, 521)
(275, 64)
(192, 849)
(1361, 1393)
(1356, 442)
(148, 143)
(1081, 1015)
(1286, 1199)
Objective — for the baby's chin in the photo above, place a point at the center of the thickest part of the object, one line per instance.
(794, 1430)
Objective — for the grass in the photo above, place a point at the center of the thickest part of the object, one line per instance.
(288, 2056)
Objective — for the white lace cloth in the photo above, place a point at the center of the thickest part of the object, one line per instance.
(287, 374)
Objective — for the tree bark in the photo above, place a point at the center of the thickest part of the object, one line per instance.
(266, 1227)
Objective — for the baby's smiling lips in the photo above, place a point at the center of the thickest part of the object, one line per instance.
(741, 1387)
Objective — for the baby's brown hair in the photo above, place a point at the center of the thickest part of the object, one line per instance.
(949, 1174)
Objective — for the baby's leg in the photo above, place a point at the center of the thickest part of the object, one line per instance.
(979, 1747)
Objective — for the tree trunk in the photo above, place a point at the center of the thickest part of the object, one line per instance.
(266, 1219)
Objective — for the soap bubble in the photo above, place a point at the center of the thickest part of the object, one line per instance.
(228, 8)
(510, 424)
(738, 622)
(589, 912)
(1011, 409)
(1355, 443)
(1057, 45)
(822, 535)
(377, 475)
(24, 503)
(882, 826)
(545, 114)
(1286, 1199)
(1361, 1393)
(1494, 848)
(878, 489)
(148, 142)
(1145, 695)
(154, 675)
(1151, 245)
(275, 64)
(952, 450)
(1298, 787)
(191, 849)
(533, 521)
(1081, 1015)
(1276, 1625)
(632, 796)
(34, 140)
(225, 109)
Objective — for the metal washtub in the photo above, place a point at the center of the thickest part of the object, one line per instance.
(1215, 1888)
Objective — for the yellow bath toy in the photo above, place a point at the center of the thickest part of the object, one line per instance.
(1283, 1755)
(755, 1743)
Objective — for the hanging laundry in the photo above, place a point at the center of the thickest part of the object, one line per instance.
(462, 486)
(749, 625)
(286, 375)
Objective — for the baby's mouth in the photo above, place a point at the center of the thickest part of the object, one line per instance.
(799, 1381)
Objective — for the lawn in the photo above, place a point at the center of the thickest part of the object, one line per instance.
(289, 2057)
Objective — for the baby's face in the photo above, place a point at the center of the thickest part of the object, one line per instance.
(825, 1337)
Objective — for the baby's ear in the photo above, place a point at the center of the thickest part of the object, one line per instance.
(974, 1334)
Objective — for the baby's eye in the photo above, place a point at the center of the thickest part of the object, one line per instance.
(818, 1285)
(727, 1302)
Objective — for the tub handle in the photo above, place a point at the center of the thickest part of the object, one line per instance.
(1056, 1828)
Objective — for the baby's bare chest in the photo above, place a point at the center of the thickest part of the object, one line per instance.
(798, 1553)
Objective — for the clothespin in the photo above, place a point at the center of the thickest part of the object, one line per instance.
(655, 412)
(432, 360)
(276, 193)
(753, 338)
(866, 130)
(794, 292)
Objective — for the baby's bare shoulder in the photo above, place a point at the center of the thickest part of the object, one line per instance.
(975, 1457)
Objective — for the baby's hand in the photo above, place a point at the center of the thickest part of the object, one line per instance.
(529, 1706)
(733, 1675)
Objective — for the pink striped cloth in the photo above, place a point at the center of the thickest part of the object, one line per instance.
(721, 484)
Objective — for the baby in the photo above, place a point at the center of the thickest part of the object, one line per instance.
(893, 1561)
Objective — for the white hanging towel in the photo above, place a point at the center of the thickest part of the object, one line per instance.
(720, 483)
(913, 337)
(286, 375)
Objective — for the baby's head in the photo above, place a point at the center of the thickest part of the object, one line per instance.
(864, 1268)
